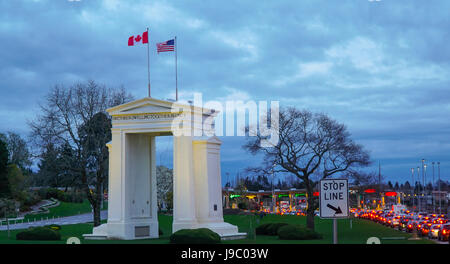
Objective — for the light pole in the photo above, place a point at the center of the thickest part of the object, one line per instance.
(419, 191)
(273, 194)
(413, 192)
(423, 180)
(432, 189)
(424, 186)
(228, 184)
(439, 185)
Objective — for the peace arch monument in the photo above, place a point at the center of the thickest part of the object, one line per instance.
(197, 188)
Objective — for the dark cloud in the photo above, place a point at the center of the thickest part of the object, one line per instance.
(382, 68)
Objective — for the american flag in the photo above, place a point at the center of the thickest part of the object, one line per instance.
(166, 46)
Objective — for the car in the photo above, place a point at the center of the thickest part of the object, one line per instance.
(395, 222)
(421, 214)
(419, 225)
(444, 232)
(388, 221)
(410, 227)
(425, 229)
(404, 223)
(434, 231)
(441, 221)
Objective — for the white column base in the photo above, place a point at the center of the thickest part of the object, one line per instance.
(98, 233)
(221, 228)
(125, 231)
(178, 225)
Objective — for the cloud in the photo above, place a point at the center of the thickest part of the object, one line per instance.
(376, 68)
(362, 53)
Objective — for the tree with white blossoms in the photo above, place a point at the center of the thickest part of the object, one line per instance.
(164, 182)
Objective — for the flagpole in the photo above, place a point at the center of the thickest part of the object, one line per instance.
(176, 70)
(148, 66)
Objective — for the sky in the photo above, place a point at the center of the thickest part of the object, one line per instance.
(380, 67)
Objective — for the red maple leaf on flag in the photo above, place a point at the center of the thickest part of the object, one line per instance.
(138, 39)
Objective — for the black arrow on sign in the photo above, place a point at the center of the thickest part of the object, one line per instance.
(336, 210)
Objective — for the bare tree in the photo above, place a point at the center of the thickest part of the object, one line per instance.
(363, 179)
(19, 153)
(311, 147)
(75, 117)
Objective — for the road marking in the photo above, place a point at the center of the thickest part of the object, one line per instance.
(373, 240)
(73, 240)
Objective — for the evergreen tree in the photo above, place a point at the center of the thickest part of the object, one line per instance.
(48, 168)
(4, 184)
(16, 181)
(407, 186)
(396, 186)
(390, 185)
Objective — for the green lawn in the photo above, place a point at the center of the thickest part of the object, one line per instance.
(359, 233)
(64, 209)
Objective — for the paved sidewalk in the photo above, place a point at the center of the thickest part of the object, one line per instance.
(68, 220)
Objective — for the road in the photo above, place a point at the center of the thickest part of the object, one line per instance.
(68, 220)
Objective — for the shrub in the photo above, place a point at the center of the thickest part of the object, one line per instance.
(54, 227)
(297, 232)
(195, 236)
(269, 229)
(243, 205)
(31, 199)
(262, 229)
(71, 196)
(39, 233)
(272, 230)
(230, 211)
(7, 205)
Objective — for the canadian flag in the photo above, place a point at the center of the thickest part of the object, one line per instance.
(135, 40)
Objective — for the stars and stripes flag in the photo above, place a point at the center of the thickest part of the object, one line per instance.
(166, 46)
(170, 45)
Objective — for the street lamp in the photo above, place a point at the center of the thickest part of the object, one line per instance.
(419, 190)
(424, 186)
(414, 189)
(423, 180)
(273, 194)
(439, 184)
(228, 184)
(432, 189)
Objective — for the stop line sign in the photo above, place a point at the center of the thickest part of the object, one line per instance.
(334, 198)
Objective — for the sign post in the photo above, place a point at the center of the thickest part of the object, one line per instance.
(334, 201)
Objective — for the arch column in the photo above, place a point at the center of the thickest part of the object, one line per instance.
(184, 207)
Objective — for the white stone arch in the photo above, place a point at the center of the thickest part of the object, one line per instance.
(132, 202)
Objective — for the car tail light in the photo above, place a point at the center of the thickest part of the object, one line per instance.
(444, 232)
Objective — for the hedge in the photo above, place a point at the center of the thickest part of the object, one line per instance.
(54, 227)
(269, 229)
(195, 236)
(297, 232)
(39, 233)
